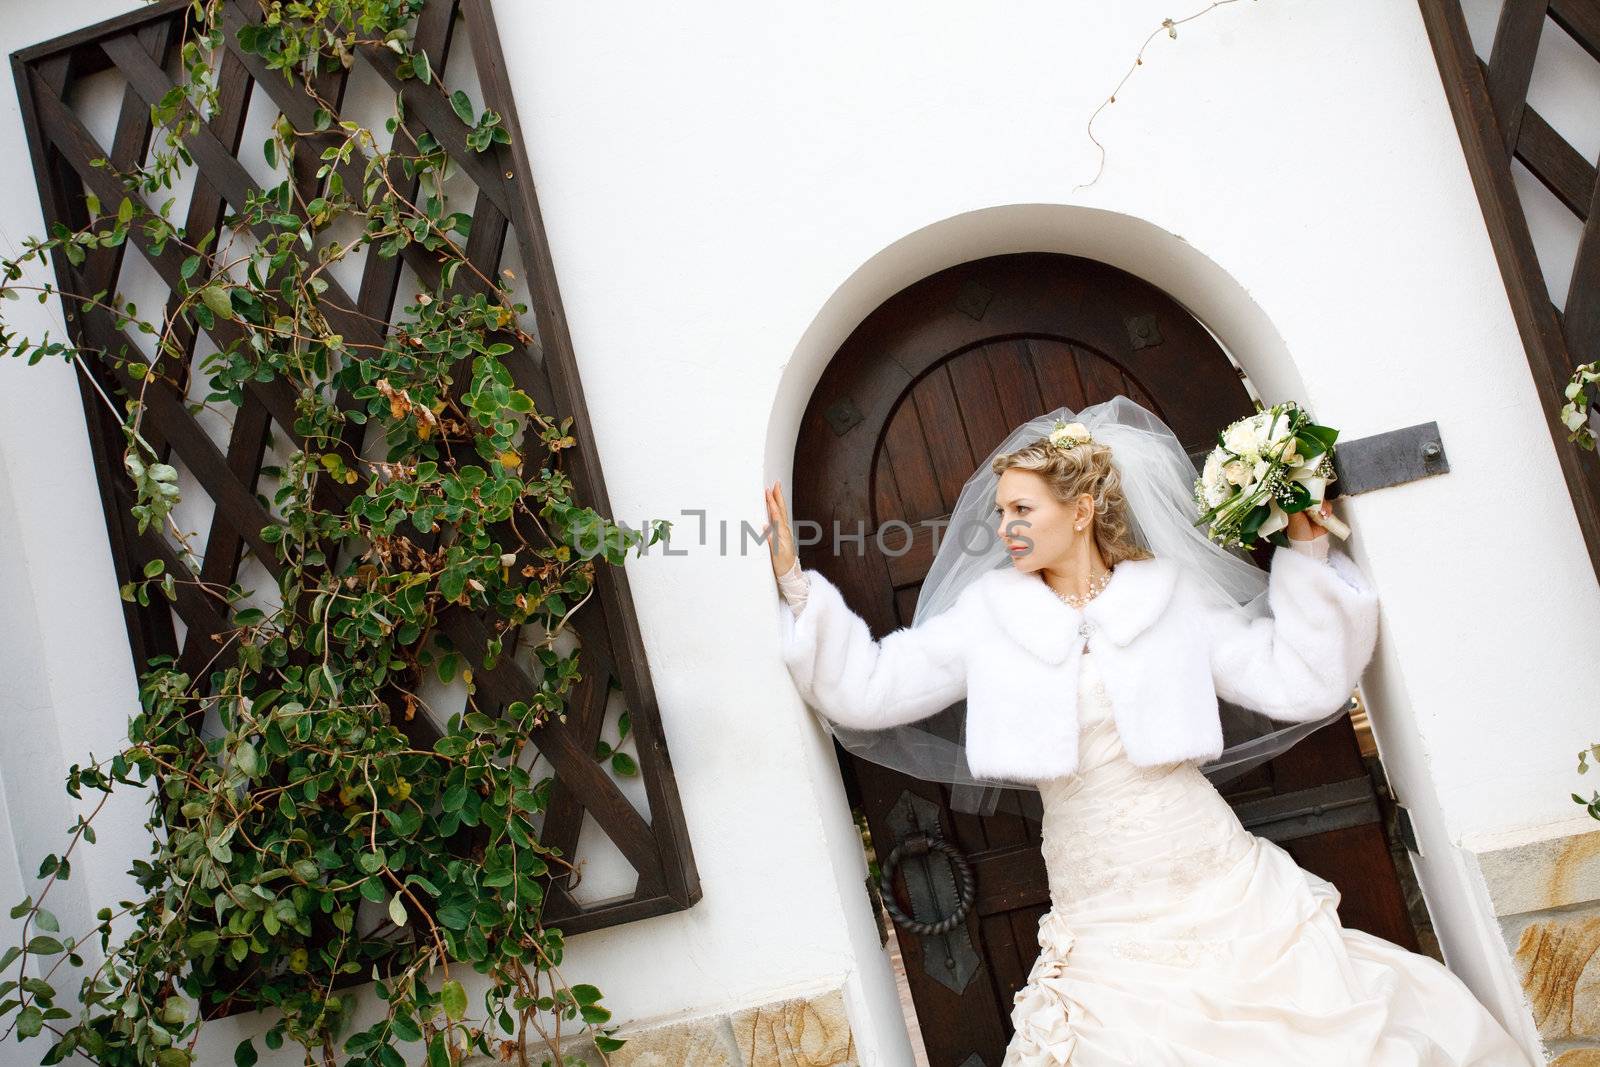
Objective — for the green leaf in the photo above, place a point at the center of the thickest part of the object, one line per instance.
(45, 946)
(60, 1050)
(215, 297)
(30, 1022)
(455, 1000)
(463, 107)
(405, 1027)
(397, 910)
(125, 212)
(245, 1055)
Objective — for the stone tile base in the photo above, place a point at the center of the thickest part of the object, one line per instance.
(800, 1032)
(1545, 887)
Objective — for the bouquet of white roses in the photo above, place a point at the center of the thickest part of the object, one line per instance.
(1266, 467)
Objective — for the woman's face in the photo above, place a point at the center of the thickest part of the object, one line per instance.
(1037, 528)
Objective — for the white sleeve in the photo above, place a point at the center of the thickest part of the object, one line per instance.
(909, 674)
(1302, 660)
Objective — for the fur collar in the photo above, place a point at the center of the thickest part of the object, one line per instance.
(1029, 611)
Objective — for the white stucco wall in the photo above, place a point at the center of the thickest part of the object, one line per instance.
(728, 190)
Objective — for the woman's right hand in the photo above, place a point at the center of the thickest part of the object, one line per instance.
(780, 544)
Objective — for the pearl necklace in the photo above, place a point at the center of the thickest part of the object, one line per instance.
(1078, 600)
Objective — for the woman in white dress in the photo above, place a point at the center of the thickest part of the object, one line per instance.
(1175, 937)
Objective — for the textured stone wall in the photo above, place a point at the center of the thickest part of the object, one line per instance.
(1546, 894)
(800, 1032)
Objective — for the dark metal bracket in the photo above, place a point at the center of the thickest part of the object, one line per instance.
(1389, 458)
(1407, 829)
(1352, 802)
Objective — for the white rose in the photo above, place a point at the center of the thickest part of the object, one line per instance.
(1242, 439)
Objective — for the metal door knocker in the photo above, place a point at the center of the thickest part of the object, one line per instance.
(921, 844)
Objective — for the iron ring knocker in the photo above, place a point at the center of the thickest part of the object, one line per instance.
(966, 886)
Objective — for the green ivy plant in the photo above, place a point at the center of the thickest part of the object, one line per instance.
(1575, 417)
(300, 841)
(1586, 758)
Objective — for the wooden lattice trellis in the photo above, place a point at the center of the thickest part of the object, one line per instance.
(1490, 103)
(138, 51)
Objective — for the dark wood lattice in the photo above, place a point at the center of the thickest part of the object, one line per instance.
(138, 51)
(1490, 103)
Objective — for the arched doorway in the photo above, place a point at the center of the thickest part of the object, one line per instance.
(919, 392)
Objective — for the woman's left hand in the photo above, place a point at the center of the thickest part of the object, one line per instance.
(1302, 528)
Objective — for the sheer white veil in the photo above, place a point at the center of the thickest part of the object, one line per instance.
(1158, 482)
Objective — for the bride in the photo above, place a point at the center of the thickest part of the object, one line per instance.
(1105, 652)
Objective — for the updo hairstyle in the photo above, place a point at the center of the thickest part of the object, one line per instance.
(1083, 468)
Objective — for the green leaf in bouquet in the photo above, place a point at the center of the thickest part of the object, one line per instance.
(1323, 436)
(1252, 523)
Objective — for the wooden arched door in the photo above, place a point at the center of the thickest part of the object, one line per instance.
(921, 391)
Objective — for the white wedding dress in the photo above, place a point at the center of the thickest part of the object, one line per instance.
(1176, 938)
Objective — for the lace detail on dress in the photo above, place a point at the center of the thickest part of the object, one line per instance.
(1176, 952)
(1100, 817)
(1105, 838)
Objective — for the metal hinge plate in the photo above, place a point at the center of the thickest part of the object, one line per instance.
(1303, 812)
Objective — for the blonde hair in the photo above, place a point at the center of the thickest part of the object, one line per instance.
(1084, 468)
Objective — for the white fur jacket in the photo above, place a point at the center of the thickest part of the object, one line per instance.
(1012, 648)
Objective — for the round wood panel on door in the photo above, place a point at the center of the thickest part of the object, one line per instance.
(919, 394)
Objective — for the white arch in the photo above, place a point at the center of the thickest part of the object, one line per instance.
(1207, 291)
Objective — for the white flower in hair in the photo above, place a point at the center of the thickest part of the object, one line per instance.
(1066, 435)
